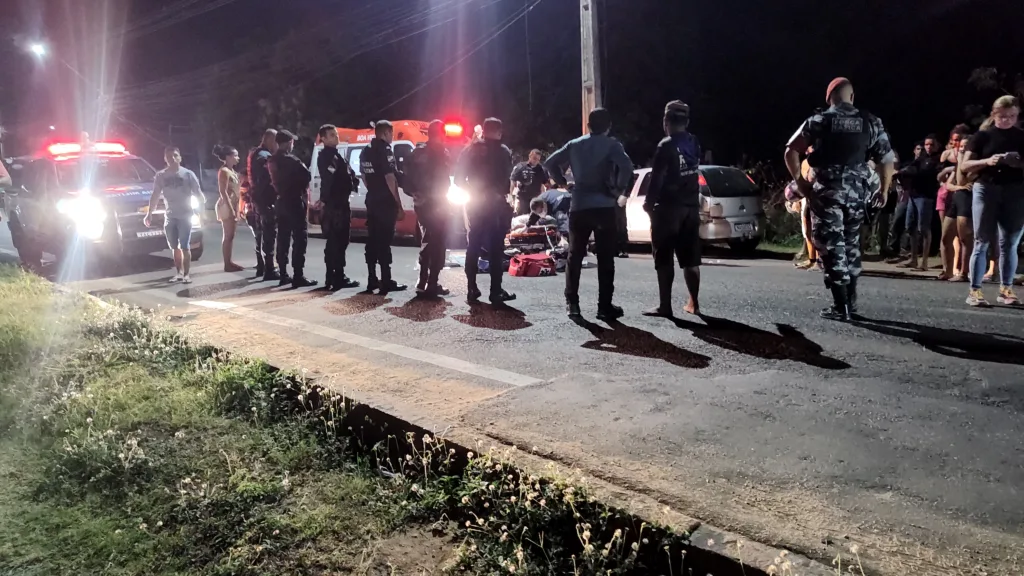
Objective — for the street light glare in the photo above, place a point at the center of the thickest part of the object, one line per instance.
(38, 48)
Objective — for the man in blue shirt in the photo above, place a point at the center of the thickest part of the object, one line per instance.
(603, 172)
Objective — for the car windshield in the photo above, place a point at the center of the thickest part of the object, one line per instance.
(103, 172)
(728, 183)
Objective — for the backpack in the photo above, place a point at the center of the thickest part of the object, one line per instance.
(532, 265)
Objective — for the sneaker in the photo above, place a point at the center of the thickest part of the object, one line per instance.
(186, 279)
(833, 312)
(976, 298)
(1007, 297)
(610, 312)
(177, 277)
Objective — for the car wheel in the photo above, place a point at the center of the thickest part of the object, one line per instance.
(745, 247)
(197, 253)
(28, 251)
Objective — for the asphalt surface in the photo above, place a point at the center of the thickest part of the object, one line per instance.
(902, 432)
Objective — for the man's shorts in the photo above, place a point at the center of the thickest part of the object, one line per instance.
(919, 215)
(178, 232)
(676, 230)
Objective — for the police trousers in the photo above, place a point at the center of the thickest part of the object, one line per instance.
(602, 223)
(837, 215)
(486, 234)
(264, 227)
(292, 230)
(336, 223)
(434, 224)
(380, 233)
(257, 233)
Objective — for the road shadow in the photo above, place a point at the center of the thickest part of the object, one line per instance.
(208, 290)
(897, 275)
(292, 297)
(421, 309)
(726, 253)
(141, 286)
(622, 339)
(953, 342)
(502, 317)
(357, 304)
(788, 344)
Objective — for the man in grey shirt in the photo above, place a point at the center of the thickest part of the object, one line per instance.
(178, 186)
(603, 172)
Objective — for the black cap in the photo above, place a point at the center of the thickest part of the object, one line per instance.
(284, 136)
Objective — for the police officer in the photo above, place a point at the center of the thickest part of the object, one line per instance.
(290, 178)
(844, 138)
(483, 170)
(673, 202)
(527, 182)
(337, 182)
(262, 216)
(383, 207)
(427, 179)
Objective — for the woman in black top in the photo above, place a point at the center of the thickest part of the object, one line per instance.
(994, 156)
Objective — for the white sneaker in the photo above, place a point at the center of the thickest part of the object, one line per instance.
(185, 279)
(177, 277)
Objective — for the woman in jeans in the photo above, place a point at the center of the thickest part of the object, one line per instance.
(994, 156)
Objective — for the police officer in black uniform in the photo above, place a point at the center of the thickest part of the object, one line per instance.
(262, 216)
(673, 202)
(337, 182)
(427, 179)
(383, 207)
(483, 171)
(290, 178)
(839, 187)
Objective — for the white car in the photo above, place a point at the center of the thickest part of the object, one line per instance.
(731, 208)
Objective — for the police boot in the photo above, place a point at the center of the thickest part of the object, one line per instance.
(342, 282)
(840, 310)
(300, 280)
(372, 283)
(851, 296)
(261, 269)
(665, 278)
(387, 284)
(421, 286)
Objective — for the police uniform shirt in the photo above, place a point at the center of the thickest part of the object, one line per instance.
(290, 178)
(336, 178)
(844, 138)
(376, 162)
(675, 174)
(429, 173)
(530, 179)
(483, 171)
(259, 175)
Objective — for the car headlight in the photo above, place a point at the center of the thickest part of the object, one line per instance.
(87, 213)
(195, 221)
(193, 202)
(457, 196)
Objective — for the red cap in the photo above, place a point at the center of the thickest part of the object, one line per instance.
(833, 85)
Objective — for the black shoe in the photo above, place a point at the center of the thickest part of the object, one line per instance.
(474, 294)
(660, 312)
(372, 284)
(501, 296)
(573, 310)
(842, 314)
(260, 272)
(622, 255)
(609, 312)
(344, 283)
(388, 286)
(303, 282)
(436, 291)
(285, 280)
(271, 276)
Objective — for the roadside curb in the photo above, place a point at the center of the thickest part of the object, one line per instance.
(711, 550)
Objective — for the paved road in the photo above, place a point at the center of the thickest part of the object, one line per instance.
(902, 433)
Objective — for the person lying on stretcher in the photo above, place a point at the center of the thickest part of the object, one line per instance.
(538, 216)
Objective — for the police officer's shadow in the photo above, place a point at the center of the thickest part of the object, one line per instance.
(494, 317)
(357, 304)
(788, 344)
(209, 290)
(622, 339)
(421, 309)
(989, 347)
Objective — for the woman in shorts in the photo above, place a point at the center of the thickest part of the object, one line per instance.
(228, 202)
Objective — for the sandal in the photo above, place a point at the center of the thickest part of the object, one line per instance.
(958, 278)
(945, 277)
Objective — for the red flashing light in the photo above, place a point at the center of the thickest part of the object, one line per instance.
(453, 130)
(751, 180)
(64, 149)
(701, 180)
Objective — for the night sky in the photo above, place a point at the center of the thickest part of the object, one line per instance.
(750, 70)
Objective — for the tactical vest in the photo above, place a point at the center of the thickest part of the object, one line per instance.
(843, 141)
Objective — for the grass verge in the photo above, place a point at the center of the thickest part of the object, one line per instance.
(127, 448)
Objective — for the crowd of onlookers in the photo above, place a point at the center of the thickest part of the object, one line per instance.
(963, 199)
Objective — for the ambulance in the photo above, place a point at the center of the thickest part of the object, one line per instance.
(408, 133)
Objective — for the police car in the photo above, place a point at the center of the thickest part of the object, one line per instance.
(78, 200)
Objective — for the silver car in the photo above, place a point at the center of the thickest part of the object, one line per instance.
(731, 208)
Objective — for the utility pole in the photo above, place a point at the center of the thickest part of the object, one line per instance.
(591, 67)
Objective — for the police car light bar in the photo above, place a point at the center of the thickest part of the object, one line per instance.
(63, 149)
(110, 148)
(453, 130)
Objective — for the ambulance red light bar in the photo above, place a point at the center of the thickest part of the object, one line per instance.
(64, 149)
(453, 130)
